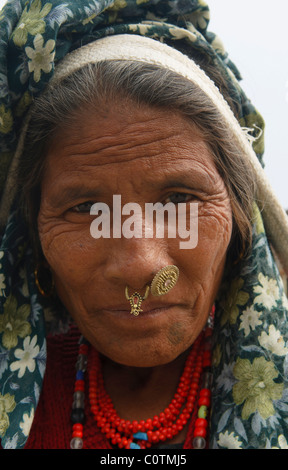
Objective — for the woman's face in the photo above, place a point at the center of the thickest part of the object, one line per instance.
(145, 155)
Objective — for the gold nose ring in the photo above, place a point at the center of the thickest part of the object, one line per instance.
(164, 280)
(162, 283)
(136, 300)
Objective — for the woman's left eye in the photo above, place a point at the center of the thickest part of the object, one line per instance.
(83, 208)
(177, 198)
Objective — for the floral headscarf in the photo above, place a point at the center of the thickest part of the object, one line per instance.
(250, 365)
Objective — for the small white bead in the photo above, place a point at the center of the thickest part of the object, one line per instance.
(76, 443)
(199, 443)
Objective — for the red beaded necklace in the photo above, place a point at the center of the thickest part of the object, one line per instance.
(144, 434)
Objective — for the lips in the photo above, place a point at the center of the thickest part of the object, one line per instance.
(146, 307)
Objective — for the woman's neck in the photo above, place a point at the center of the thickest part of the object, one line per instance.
(141, 392)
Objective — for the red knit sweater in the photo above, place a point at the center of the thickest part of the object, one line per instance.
(52, 428)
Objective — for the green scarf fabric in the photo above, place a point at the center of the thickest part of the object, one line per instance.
(250, 360)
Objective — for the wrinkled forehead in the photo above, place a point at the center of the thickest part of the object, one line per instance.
(156, 141)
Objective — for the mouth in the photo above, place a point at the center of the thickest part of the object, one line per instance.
(150, 309)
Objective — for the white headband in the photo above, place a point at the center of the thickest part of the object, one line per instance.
(142, 49)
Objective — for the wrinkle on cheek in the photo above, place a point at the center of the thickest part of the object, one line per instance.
(216, 218)
(56, 242)
(48, 237)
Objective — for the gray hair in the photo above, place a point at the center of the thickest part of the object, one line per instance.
(105, 82)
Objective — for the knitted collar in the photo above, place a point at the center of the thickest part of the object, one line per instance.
(251, 313)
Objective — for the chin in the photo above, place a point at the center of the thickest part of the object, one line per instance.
(144, 358)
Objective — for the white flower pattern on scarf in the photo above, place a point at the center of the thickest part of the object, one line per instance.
(41, 57)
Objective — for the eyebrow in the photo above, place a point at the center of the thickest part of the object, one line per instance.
(181, 178)
(71, 194)
(176, 183)
(186, 180)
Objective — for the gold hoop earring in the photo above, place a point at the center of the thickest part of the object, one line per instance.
(45, 292)
(164, 280)
(136, 300)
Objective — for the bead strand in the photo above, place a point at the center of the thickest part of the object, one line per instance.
(204, 401)
(78, 412)
(168, 424)
(146, 433)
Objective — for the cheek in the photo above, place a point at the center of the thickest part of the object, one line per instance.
(215, 227)
(66, 249)
(73, 262)
(204, 264)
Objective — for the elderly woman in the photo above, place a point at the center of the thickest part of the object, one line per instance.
(179, 338)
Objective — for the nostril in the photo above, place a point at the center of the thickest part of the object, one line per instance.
(134, 262)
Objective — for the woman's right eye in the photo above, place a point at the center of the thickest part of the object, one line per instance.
(83, 208)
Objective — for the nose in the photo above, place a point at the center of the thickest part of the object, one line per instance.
(134, 262)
